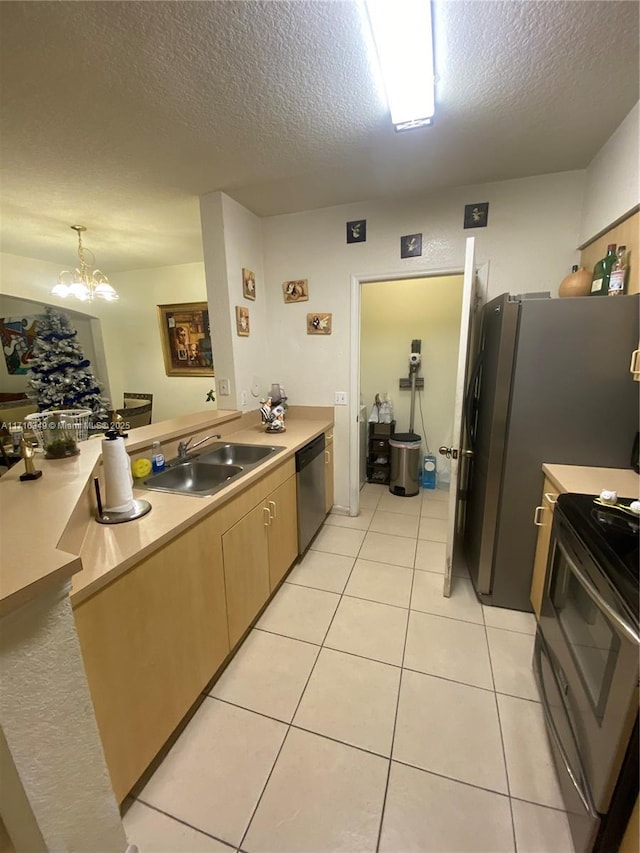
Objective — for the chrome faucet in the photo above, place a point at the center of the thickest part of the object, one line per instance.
(184, 446)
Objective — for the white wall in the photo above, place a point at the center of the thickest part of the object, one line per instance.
(392, 315)
(530, 242)
(138, 357)
(129, 328)
(612, 180)
(232, 240)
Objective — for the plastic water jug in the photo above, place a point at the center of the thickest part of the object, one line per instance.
(429, 472)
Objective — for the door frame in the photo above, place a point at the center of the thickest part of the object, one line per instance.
(354, 390)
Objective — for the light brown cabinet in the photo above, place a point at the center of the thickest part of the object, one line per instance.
(257, 551)
(156, 636)
(543, 519)
(151, 641)
(328, 479)
(282, 530)
(245, 549)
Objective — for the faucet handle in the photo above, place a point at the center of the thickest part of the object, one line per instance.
(183, 446)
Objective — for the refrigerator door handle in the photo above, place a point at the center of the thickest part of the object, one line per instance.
(471, 400)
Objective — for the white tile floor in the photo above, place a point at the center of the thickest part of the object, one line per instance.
(366, 712)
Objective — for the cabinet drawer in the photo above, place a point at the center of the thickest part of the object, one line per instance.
(378, 446)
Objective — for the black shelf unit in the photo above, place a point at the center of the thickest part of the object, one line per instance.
(379, 452)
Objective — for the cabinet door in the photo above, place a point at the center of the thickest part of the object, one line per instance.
(283, 530)
(245, 548)
(328, 483)
(151, 641)
(543, 519)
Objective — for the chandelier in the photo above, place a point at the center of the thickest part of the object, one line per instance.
(83, 283)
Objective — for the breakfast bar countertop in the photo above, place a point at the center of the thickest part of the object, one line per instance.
(48, 529)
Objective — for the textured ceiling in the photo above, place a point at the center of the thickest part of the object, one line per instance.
(118, 115)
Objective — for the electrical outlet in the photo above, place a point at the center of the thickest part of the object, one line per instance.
(223, 387)
(340, 398)
(243, 398)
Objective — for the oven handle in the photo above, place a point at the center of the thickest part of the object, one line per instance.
(585, 799)
(600, 602)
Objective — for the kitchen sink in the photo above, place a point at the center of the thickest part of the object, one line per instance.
(210, 471)
(194, 478)
(237, 454)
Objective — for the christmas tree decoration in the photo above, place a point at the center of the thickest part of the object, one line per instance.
(61, 377)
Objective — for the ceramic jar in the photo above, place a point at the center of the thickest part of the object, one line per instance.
(577, 283)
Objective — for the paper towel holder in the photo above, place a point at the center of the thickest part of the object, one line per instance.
(139, 508)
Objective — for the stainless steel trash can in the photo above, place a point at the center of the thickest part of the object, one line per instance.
(405, 464)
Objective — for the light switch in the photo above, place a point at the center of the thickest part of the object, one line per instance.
(223, 387)
(341, 398)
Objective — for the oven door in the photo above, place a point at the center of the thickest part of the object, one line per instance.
(584, 821)
(594, 651)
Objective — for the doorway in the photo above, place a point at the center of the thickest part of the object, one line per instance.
(388, 313)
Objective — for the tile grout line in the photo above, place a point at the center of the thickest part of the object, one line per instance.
(504, 751)
(290, 724)
(395, 718)
(185, 823)
(456, 780)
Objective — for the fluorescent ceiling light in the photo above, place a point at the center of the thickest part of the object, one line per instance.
(404, 42)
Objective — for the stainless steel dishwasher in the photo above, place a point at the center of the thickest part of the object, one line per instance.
(310, 474)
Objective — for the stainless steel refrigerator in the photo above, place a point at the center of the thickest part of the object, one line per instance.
(550, 382)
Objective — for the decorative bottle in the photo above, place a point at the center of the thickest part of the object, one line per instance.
(618, 273)
(602, 272)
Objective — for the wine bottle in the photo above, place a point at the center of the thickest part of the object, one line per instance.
(618, 273)
(602, 272)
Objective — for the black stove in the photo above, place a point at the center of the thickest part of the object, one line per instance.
(612, 538)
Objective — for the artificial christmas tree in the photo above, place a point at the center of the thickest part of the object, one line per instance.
(61, 376)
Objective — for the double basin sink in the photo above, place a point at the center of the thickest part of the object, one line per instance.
(211, 470)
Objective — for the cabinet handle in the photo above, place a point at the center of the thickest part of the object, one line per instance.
(267, 520)
(551, 498)
(536, 516)
(635, 358)
(327, 457)
(328, 437)
(272, 510)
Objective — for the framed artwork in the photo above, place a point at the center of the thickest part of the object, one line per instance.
(318, 324)
(242, 321)
(18, 336)
(296, 291)
(476, 215)
(357, 231)
(186, 339)
(411, 246)
(248, 284)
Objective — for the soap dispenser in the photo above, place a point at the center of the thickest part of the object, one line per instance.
(157, 458)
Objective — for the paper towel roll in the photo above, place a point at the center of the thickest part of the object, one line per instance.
(117, 476)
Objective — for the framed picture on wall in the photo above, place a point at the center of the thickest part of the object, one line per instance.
(476, 215)
(242, 321)
(357, 231)
(296, 291)
(18, 337)
(319, 324)
(185, 335)
(411, 246)
(248, 284)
